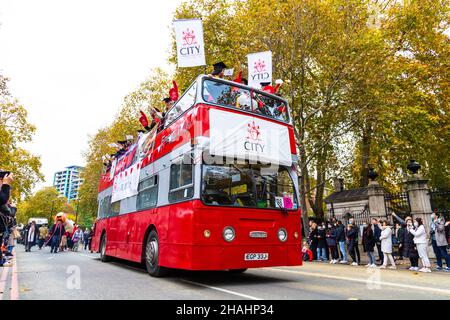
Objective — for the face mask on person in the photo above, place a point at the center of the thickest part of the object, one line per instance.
(329, 226)
(416, 224)
(433, 216)
(365, 225)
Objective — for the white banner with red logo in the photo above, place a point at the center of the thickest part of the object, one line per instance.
(259, 68)
(190, 45)
(126, 183)
(248, 138)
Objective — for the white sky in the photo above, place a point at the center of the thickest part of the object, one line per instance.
(72, 62)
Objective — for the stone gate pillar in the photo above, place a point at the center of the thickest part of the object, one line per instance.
(418, 193)
(419, 198)
(375, 193)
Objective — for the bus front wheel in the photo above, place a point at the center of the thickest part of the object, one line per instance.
(103, 256)
(152, 256)
(237, 270)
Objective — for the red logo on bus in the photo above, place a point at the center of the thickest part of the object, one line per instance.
(260, 66)
(189, 37)
(253, 131)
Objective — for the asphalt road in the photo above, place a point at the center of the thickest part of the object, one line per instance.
(81, 275)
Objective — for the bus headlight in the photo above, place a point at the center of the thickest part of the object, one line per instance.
(207, 233)
(228, 234)
(282, 234)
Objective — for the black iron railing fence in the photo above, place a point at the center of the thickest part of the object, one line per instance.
(359, 215)
(440, 202)
(397, 203)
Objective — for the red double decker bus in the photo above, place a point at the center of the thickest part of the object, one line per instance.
(214, 189)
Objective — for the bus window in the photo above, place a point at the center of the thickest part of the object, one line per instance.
(105, 206)
(246, 185)
(148, 193)
(271, 107)
(115, 209)
(186, 101)
(181, 185)
(224, 94)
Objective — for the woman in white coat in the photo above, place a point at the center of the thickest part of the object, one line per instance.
(421, 242)
(386, 245)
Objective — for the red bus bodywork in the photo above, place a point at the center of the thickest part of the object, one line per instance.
(182, 226)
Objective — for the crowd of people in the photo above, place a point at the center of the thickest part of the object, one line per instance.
(56, 237)
(31, 235)
(335, 242)
(8, 223)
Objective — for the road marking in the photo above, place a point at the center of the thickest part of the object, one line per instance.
(14, 281)
(365, 281)
(50, 258)
(222, 290)
(85, 255)
(3, 281)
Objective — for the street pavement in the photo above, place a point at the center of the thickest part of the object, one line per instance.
(81, 275)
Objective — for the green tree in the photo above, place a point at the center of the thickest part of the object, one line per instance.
(45, 203)
(15, 131)
(149, 93)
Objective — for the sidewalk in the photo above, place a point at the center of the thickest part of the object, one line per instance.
(403, 264)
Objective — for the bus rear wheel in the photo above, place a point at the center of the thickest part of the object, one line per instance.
(152, 256)
(103, 256)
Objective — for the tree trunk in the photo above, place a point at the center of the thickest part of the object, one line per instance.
(302, 191)
(365, 154)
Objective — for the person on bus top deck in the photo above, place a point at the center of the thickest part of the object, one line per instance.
(123, 148)
(243, 101)
(214, 91)
(219, 69)
(168, 103)
(157, 119)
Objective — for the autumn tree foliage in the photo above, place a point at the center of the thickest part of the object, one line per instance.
(15, 132)
(367, 82)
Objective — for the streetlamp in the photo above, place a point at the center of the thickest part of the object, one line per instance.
(76, 212)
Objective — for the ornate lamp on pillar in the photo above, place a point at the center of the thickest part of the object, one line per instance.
(413, 166)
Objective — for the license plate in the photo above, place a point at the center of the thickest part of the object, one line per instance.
(256, 256)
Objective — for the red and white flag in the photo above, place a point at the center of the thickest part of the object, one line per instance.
(259, 68)
(190, 45)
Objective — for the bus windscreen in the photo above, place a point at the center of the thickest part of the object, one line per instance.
(248, 185)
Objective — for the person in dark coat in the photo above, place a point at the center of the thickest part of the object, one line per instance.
(313, 241)
(321, 244)
(377, 234)
(31, 236)
(409, 249)
(352, 242)
(400, 230)
(331, 242)
(368, 241)
(340, 239)
(5, 188)
(56, 234)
